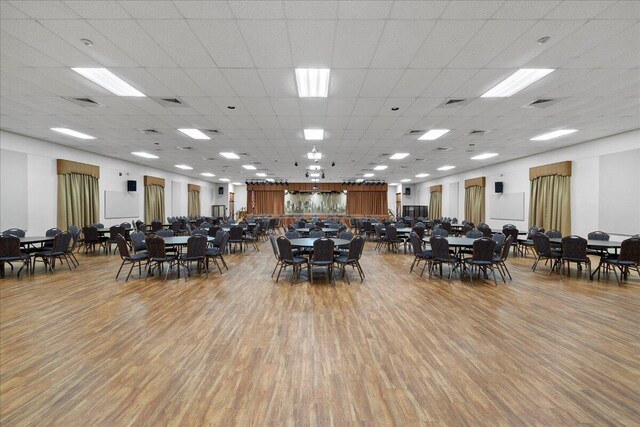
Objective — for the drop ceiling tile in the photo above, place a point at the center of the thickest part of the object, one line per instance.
(17, 49)
(448, 81)
(359, 122)
(363, 9)
(268, 43)
(313, 106)
(258, 106)
(417, 9)
(211, 81)
(346, 83)
(367, 106)
(355, 43)
(98, 9)
(622, 10)
(177, 81)
(204, 9)
(444, 42)
(311, 43)
(44, 9)
(140, 9)
(141, 79)
(525, 9)
(245, 81)
(279, 82)
(8, 11)
(233, 53)
(257, 9)
(413, 82)
(312, 9)
(399, 43)
(286, 106)
(571, 9)
(471, 9)
(178, 41)
(290, 122)
(380, 82)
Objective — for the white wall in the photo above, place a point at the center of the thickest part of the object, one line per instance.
(585, 181)
(42, 182)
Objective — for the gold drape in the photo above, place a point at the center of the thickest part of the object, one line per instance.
(78, 200)
(550, 205)
(153, 203)
(194, 203)
(474, 204)
(267, 202)
(367, 202)
(435, 205)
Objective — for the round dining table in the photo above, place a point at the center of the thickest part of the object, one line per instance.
(307, 242)
(324, 230)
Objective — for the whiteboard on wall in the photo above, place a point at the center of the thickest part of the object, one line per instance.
(619, 196)
(13, 190)
(121, 204)
(507, 206)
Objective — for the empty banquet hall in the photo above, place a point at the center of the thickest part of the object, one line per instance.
(319, 213)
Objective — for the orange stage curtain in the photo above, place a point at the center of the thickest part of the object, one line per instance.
(267, 202)
(367, 203)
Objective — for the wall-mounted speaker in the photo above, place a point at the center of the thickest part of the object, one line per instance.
(132, 185)
(220, 190)
(407, 191)
(498, 186)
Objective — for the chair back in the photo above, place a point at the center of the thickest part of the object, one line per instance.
(485, 229)
(156, 225)
(122, 247)
(419, 230)
(196, 246)
(61, 242)
(345, 235)
(554, 234)
(466, 228)
(355, 248)
(630, 250)
(533, 230)
(155, 247)
(508, 226)
(439, 248)
(125, 225)
(598, 235)
(284, 249)
(474, 234)
(511, 232)
(52, 232)
(440, 232)
(115, 230)
(98, 225)
(499, 238)
(141, 227)
(416, 244)
(14, 232)
(367, 227)
(541, 244)
(205, 224)
(574, 247)
(320, 224)
(484, 249)
(73, 229)
(235, 233)
(322, 250)
(292, 234)
(165, 233)
(200, 232)
(219, 238)
(316, 233)
(9, 246)
(274, 246)
(90, 234)
(391, 233)
(137, 239)
(446, 226)
(504, 254)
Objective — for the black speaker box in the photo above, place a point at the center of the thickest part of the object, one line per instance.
(498, 186)
(220, 190)
(131, 185)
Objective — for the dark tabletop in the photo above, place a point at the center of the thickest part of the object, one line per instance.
(106, 230)
(180, 240)
(308, 242)
(594, 243)
(455, 241)
(324, 230)
(35, 239)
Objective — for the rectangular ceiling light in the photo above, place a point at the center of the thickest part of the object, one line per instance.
(484, 156)
(314, 134)
(369, 175)
(312, 82)
(517, 81)
(405, 180)
(209, 174)
(554, 134)
(380, 168)
(230, 155)
(144, 154)
(109, 81)
(270, 180)
(315, 167)
(446, 168)
(261, 174)
(249, 167)
(314, 175)
(314, 156)
(433, 134)
(399, 156)
(194, 133)
(359, 180)
(225, 179)
(73, 133)
(185, 167)
(394, 183)
(422, 175)
(236, 183)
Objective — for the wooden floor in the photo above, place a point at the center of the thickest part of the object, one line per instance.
(79, 348)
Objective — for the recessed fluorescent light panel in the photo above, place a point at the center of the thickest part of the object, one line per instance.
(185, 167)
(314, 175)
(433, 134)
(517, 81)
(422, 175)
(230, 155)
(315, 167)
(484, 156)
(225, 179)
(144, 155)
(74, 133)
(394, 183)
(368, 175)
(399, 156)
(359, 180)
(446, 168)
(261, 174)
(405, 180)
(194, 133)
(109, 81)
(380, 168)
(236, 183)
(270, 180)
(314, 156)
(209, 174)
(312, 82)
(554, 134)
(314, 134)
(249, 167)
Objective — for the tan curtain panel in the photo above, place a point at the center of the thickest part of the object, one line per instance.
(474, 204)
(194, 203)
(550, 205)
(367, 203)
(78, 200)
(153, 203)
(267, 202)
(435, 205)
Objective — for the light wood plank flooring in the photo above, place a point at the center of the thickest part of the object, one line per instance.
(79, 348)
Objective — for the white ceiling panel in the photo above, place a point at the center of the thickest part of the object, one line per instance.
(141, 9)
(257, 9)
(178, 41)
(444, 42)
(312, 9)
(278, 82)
(355, 43)
(202, 9)
(471, 9)
(286, 106)
(245, 81)
(311, 43)
(98, 9)
(399, 43)
(268, 42)
(417, 9)
(233, 52)
(524, 9)
(44, 9)
(380, 82)
(346, 82)
(176, 80)
(576, 9)
(413, 82)
(211, 81)
(362, 9)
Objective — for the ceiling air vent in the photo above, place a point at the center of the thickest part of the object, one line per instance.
(477, 132)
(170, 102)
(542, 103)
(184, 148)
(150, 131)
(454, 103)
(415, 132)
(83, 102)
(209, 158)
(443, 149)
